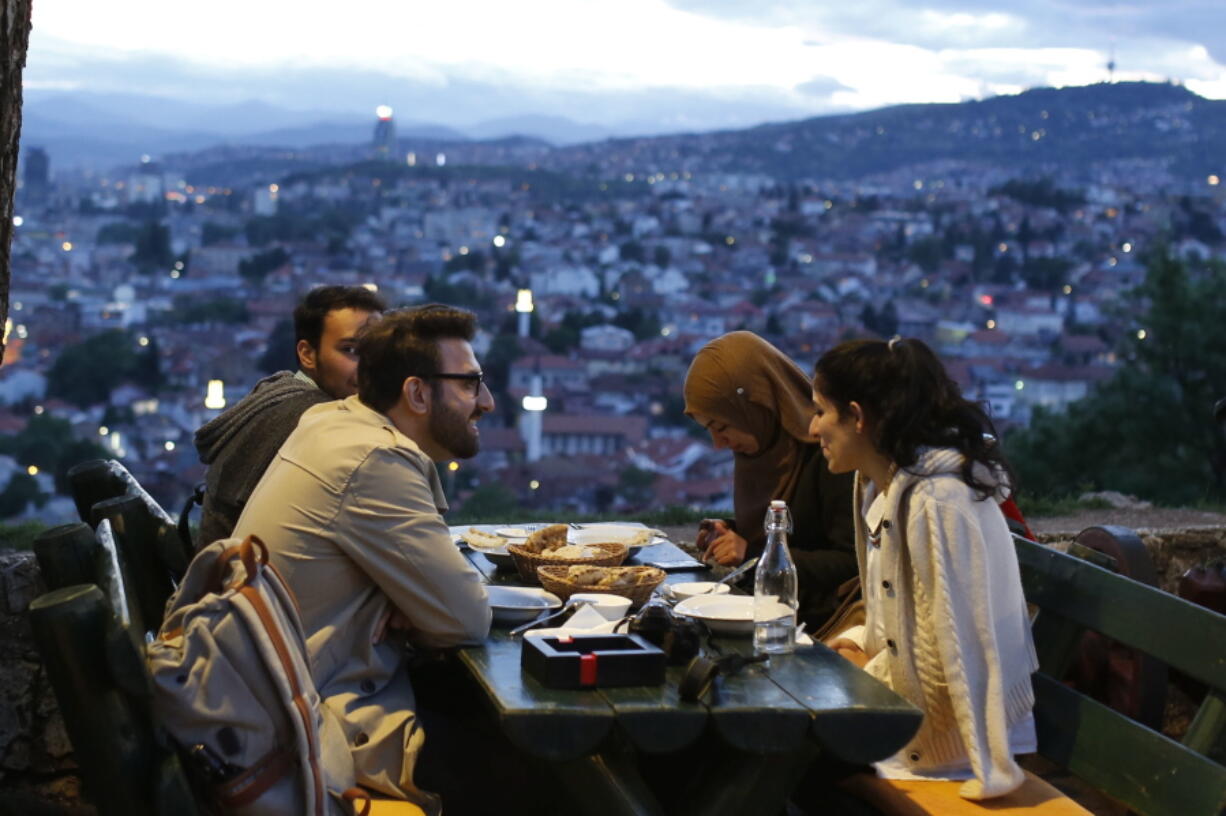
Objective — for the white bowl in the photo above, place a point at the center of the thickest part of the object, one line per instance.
(689, 589)
(611, 607)
(723, 614)
(512, 605)
(610, 534)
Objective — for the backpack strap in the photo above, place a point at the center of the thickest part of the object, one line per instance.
(353, 794)
(254, 555)
(251, 784)
(185, 517)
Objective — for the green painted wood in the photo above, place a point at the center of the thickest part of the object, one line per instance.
(66, 555)
(172, 793)
(1204, 735)
(113, 742)
(551, 724)
(607, 783)
(108, 567)
(1171, 629)
(1098, 559)
(146, 578)
(98, 480)
(125, 659)
(1146, 771)
(742, 783)
(752, 712)
(92, 481)
(774, 780)
(854, 717)
(654, 718)
(1057, 641)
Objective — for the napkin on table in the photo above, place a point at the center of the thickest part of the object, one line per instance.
(585, 621)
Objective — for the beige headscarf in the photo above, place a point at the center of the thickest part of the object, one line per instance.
(744, 381)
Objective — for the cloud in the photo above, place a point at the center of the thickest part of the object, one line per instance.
(822, 87)
(679, 63)
(1179, 39)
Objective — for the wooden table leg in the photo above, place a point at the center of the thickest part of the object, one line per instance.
(608, 783)
(740, 783)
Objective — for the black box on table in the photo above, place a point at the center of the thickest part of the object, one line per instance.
(593, 661)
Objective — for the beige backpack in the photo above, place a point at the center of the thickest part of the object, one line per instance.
(232, 686)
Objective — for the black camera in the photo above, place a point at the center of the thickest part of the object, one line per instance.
(679, 638)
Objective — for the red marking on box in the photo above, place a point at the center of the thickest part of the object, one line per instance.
(587, 670)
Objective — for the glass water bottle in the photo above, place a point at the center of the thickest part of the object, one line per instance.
(774, 587)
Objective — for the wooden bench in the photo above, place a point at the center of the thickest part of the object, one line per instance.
(107, 587)
(95, 663)
(1126, 760)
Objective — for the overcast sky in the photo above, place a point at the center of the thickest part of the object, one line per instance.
(604, 60)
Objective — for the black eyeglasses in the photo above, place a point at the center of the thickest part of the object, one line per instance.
(475, 379)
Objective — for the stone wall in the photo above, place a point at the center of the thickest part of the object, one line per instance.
(37, 772)
(1173, 552)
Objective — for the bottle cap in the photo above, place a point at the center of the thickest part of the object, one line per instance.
(779, 504)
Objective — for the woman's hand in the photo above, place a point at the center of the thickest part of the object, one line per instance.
(844, 647)
(724, 547)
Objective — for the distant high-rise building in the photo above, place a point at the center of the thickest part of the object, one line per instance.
(264, 200)
(36, 176)
(384, 142)
(146, 183)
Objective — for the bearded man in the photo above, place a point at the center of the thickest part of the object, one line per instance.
(239, 444)
(351, 510)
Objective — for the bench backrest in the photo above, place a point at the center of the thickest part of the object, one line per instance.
(1147, 771)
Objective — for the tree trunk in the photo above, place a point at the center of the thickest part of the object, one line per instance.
(14, 39)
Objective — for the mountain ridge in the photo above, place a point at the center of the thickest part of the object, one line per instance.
(1039, 128)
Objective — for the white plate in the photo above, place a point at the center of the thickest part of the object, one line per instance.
(512, 605)
(462, 535)
(723, 614)
(611, 533)
(683, 590)
(514, 532)
(498, 557)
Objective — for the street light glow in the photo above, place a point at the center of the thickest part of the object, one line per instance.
(215, 395)
(523, 301)
(535, 403)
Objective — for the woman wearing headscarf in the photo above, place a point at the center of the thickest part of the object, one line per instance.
(756, 402)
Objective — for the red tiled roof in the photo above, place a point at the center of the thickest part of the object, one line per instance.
(632, 427)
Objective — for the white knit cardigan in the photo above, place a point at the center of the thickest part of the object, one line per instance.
(952, 635)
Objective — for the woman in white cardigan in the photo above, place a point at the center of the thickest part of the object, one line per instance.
(946, 626)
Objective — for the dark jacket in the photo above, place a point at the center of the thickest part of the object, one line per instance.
(239, 444)
(823, 540)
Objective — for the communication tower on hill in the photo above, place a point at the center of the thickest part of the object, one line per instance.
(384, 142)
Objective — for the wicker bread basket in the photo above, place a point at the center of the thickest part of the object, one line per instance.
(527, 561)
(554, 580)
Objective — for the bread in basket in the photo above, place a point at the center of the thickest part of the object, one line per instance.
(636, 583)
(527, 560)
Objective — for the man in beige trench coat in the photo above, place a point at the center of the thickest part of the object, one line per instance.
(351, 510)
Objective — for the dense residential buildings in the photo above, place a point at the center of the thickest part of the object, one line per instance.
(636, 254)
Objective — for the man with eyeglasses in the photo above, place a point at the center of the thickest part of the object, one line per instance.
(351, 510)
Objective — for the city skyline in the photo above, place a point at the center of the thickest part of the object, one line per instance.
(655, 66)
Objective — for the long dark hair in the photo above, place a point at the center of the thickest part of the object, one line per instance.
(910, 402)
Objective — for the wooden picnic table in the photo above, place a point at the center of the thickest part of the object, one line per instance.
(763, 727)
